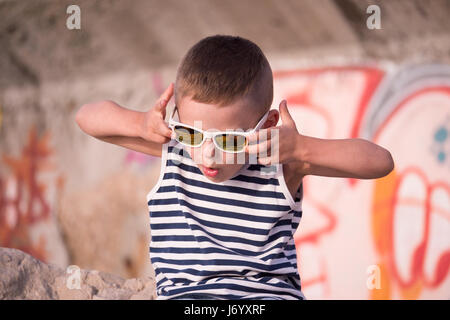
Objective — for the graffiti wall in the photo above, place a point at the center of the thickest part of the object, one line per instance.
(30, 188)
(68, 198)
(386, 238)
(79, 202)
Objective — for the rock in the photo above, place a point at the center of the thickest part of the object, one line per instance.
(134, 284)
(64, 293)
(24, 277)
(114, 294)
(148, 293)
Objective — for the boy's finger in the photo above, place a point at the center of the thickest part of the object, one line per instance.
(265, 161)
(259, 135)
(165, 97)
(164, 129)
(286, 117)
(160, 139)
(261, 148)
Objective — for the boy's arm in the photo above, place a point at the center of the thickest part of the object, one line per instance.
(349, 158)
(109, 122)
(140, 131)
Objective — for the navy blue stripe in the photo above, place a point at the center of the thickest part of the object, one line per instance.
(290, 247)
(295, 281)
(298, 214)
(236, 287)
(213, 274)
(263, 280)
(189, 250)
(258, 167)
(171, 225)
(160, 282)
(292, 256)
(219, 187)
(203, 273)
(222, 200)
(206, 296)
(252, 179)
(179, 151)
(164, 214)
(179, 213)
(215, 212)
(209, 249)
(173, 238)
(226, 226)
(255, 243)
(220, 238)
(222, 262)
(278, 255)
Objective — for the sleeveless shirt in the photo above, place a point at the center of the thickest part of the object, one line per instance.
(228, 240)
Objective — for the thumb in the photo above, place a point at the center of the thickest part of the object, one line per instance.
(286, 118)
(165, 97)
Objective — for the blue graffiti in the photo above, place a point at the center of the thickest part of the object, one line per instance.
(441, 142)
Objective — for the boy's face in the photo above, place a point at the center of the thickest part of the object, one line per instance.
(241, 115)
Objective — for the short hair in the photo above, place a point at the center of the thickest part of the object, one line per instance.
(221, 69)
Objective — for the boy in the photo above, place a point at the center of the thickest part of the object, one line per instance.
(222, 227)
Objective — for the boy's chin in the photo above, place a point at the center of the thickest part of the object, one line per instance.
(215, 179)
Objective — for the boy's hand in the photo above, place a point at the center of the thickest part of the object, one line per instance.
(276, 144)
(154, 128)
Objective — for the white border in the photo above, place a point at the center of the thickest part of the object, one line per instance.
(164, 151)
(280, 175)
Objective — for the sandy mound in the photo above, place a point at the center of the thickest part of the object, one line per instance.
(24, 277)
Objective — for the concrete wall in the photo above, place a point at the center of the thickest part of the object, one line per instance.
(68, 198)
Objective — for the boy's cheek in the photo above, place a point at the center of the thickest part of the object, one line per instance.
(228, 158)
(194, 154)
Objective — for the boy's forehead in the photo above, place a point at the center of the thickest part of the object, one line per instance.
(239, 115)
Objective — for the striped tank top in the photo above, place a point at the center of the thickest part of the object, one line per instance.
(228, 240)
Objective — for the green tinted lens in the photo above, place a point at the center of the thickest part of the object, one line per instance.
(188, 136)
(231, 142)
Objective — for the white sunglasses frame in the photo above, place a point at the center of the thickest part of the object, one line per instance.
(212, 135)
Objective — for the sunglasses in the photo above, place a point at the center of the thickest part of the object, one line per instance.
(227, 141)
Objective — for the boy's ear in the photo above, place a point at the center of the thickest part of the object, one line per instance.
(272, 119)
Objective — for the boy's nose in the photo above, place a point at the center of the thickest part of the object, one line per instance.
(208, 152)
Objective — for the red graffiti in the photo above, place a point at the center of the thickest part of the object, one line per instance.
(27, 204)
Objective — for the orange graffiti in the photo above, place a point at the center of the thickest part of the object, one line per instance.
(25, 201)
(383, 210)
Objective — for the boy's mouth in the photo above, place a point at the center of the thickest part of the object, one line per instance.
(211, 172)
